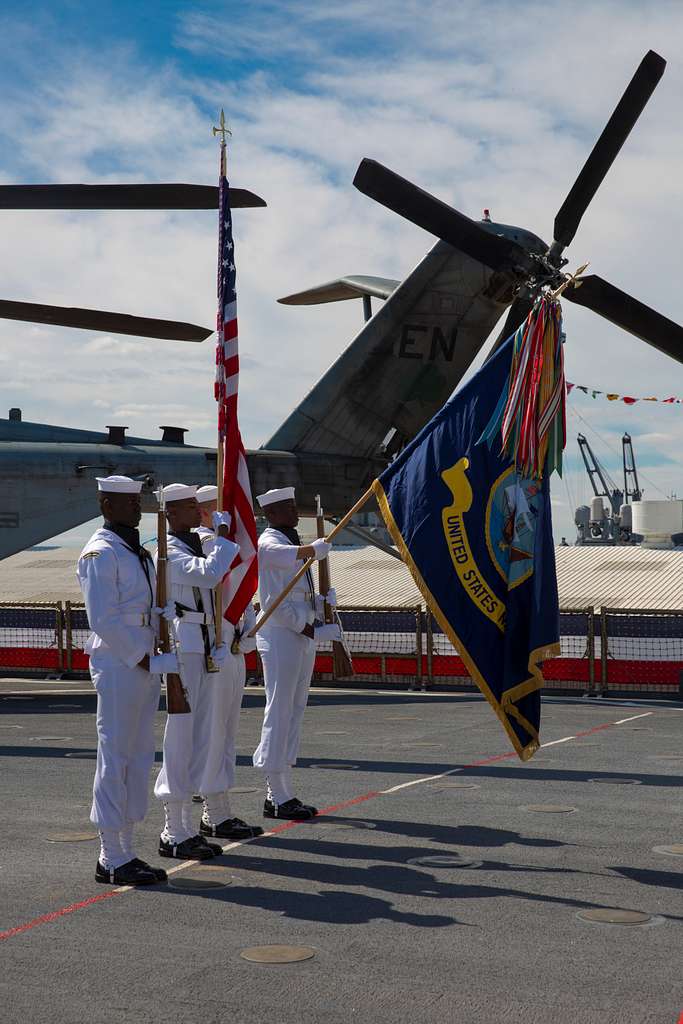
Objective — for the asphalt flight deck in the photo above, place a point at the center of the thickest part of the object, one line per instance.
(445, 881)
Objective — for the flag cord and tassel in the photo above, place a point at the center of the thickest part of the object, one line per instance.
(530, 416)
(309, 562)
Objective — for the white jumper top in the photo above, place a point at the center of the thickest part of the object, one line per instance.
(118, 598)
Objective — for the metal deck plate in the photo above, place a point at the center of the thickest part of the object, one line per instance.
(445, 861)
(277, 954)
(70, 837)
(549, 808)
(606, 915)
(193, 882)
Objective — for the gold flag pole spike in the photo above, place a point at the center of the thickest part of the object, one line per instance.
(571, 279)
(222, 128)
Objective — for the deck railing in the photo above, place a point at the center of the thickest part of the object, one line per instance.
(634, 651)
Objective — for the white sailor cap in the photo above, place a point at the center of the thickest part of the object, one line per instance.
(176, 492)
(118, 485)
(207, 493)
(274, 495)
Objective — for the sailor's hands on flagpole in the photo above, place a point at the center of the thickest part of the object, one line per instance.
(309, 562)
(321, 548)
(221, 519)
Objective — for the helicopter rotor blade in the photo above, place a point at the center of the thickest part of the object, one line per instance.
(176, 196)
(628, 313)
(423, 209)
(100, 320)
(614, 135)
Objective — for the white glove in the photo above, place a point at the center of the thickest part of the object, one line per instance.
(221, 519)
(321, 599)
(247, 643)
(327, 633)
(220, 653)
(249, 618)
(160, 664)
(321, 549)
(168, 612)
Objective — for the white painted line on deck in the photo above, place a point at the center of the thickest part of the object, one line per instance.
(633, 718)
(417, 782)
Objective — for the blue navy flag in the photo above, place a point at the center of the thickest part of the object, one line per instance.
(477, 538)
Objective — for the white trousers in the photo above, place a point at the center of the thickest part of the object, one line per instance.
(225, 722)
(288, 659)
(195, 759)
(127, 701)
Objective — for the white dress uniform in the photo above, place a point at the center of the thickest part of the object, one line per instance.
(228, 692)
(189, 765)
(287, 655)
(119, 596)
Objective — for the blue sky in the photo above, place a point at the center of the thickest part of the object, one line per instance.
(482, 103)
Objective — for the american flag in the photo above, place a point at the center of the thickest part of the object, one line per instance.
(242, 581)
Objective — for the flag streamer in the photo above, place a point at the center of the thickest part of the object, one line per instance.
(530, 415)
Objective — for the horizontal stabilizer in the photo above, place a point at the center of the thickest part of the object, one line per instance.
(352, 287)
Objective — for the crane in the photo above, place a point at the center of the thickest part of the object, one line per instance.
(598, 524)
(598, 474)
(633, 492)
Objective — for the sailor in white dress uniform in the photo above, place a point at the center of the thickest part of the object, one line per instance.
(287, 644)
(227, 691)
(117, 578)
(187, 767)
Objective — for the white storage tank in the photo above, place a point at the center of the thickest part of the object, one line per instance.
(597, 510)
(582, 516)
(625, 518)
(656, 521)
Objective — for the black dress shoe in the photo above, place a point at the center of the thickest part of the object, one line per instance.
(189, 849)
(215, 848)
(158, 873)
(309, 807)
(131, 873)
(231, 828)
(291, 810)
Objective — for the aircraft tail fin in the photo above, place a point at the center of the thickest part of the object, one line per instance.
(405, 361)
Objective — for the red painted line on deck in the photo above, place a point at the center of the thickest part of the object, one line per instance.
(46, 918)
(74, 907)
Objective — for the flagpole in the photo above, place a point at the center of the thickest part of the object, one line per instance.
(222, 130)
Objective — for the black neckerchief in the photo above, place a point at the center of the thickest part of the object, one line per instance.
(293, 537)
(192, 540)
(291, 534)
(131, 538)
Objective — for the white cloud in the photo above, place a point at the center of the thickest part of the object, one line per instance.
(485, 104)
